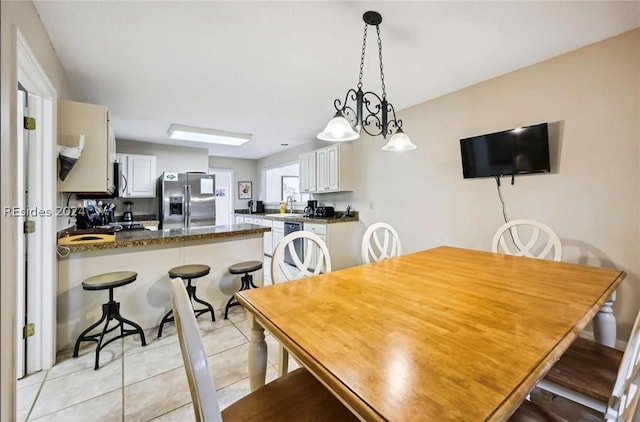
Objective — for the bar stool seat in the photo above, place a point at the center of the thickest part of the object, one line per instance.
(110, 311)
(244, 268)
(189, 272)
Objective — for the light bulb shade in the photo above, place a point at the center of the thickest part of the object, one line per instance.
(399, 142)
(338, 130)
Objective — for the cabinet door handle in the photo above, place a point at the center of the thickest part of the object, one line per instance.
(124, 189)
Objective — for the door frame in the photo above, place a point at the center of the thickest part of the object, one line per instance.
(42, 292)
(232, 194)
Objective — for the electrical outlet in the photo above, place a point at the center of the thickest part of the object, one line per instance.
(370, 205)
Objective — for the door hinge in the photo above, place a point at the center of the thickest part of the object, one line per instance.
(30, 226)
(29, 330)
(29, 123)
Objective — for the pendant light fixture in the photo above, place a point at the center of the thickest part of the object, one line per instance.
(372, 113)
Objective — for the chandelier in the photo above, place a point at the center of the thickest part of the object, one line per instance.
(372, 113)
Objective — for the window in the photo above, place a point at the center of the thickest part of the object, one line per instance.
(281, 182)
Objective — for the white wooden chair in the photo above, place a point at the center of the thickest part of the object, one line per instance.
(296, 396)
(528, 238)
(534, 239)
(315, 260)
(373, 249)
(599, 377)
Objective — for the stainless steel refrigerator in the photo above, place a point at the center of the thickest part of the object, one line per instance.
(187, 200)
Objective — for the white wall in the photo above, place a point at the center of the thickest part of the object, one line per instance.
(243, 170)
(592, 200)
(13, 16)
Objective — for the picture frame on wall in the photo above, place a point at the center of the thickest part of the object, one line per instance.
(244, 190)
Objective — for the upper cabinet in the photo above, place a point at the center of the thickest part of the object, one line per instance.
(93, 172)
(138, 175)
(308, 172)
(327, 169)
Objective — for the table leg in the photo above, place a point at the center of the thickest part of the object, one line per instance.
(604, 323)
(257, 354)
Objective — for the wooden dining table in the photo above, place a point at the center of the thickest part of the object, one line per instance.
(445, 334)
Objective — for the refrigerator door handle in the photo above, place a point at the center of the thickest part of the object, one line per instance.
(187, 206)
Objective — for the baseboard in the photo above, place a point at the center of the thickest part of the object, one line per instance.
(620, 344)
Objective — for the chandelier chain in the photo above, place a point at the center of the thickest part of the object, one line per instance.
(364, 45)
(384, 91)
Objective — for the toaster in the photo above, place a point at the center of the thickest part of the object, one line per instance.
(324, 212)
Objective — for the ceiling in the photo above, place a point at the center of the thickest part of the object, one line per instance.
(273, 69)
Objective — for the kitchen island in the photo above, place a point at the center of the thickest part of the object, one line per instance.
(151, 254)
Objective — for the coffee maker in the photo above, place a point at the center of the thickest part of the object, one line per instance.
(310, 209)
(256, 207)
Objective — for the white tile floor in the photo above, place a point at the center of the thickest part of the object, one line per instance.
(136, 383)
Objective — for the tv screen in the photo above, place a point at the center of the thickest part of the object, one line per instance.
(516, 151)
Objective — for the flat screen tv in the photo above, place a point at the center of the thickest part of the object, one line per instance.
(517, 151)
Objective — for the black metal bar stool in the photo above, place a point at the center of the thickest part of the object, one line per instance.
(110, 311)
(189, 272)
(245, 268)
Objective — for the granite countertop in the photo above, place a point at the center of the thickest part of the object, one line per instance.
(300, 217)
(129, 238)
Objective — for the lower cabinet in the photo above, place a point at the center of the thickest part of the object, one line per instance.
(321, 231)
(278, 233)
(267, 241)
(268, 237)
(342, 240)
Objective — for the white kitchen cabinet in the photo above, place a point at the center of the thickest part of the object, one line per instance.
(321, 231)
(138, 174)
(333, 169)
(308, 172)
(93, 172)
(342, 240)
(239, 219)
(277, 234)
(268, 237)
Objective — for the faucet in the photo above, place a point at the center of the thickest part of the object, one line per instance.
(290, 200)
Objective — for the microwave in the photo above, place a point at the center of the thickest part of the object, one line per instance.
(117, 177)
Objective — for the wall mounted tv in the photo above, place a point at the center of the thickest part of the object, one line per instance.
(521, 150)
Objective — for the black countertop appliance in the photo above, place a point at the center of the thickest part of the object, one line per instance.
(256, 207)
(310, 209)
(324, 212)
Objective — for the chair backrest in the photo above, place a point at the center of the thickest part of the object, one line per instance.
(626, 391)
(203, 390)
(510, 239)
(373, 249)
(315, 257)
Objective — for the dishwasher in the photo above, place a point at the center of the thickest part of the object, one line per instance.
(298, 244)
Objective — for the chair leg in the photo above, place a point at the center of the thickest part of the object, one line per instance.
(246, 283)
(283, 361)
(110, 311)
(83, 336)
(166, 318)
(191, 291)
(249, 281)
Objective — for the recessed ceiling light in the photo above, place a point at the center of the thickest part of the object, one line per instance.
(209, 136)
